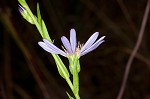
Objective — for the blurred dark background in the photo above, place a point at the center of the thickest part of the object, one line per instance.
(28, 72)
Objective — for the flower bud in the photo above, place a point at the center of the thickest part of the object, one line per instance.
(25, 14)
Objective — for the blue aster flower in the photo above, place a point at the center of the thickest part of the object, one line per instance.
(71, 47)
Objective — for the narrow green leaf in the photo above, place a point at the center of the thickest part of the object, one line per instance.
(61, 68)
(60, 71)
(45, 32)
(39, 19)
(42, 24)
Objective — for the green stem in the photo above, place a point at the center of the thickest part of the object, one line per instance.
(76, 77)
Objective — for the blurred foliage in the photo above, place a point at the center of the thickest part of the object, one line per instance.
(26, 69)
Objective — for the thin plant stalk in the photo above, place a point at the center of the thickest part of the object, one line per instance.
(137, 45)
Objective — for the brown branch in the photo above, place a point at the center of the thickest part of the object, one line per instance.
(140, 36)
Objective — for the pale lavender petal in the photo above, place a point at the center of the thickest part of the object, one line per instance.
(46, 48)
(73, 40)
(21, 9)
(66, 44)
(90, 41)
(54, 48)
(93, 47)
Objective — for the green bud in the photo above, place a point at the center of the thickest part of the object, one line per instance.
(25, 14)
